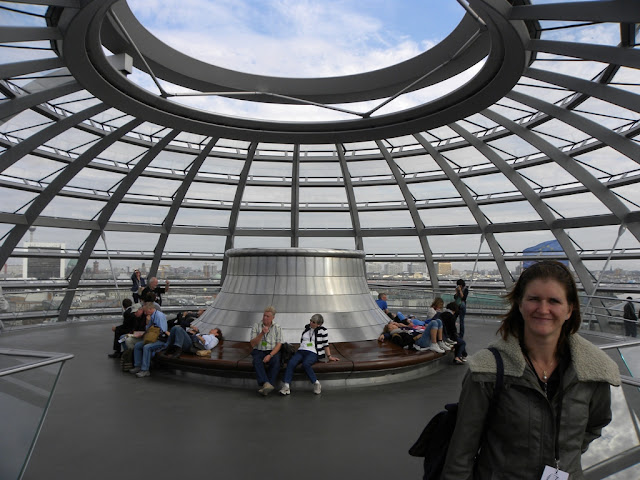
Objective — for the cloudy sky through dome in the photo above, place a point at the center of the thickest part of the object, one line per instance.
(300, 39)
(309, 38)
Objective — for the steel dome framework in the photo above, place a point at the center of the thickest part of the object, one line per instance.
(541, 144)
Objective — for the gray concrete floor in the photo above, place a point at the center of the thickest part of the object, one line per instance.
(105, 424)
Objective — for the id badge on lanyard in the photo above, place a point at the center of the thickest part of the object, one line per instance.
(552, 473)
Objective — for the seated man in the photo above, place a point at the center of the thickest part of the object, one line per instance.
(181, 340)
(142, 352)
(266, 340)
(127, 326)
(139, 325)
(382, 303)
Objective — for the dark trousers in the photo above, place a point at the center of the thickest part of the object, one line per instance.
(462, 311)
(120, 330)
(272, 365)
(630, 328)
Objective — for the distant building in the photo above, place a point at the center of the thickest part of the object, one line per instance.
(209, 270)
(41, 267)
(444, 268)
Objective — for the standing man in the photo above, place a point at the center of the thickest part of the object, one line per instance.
(266, 340)
(630, 319)
(158, 291)
(460, 297)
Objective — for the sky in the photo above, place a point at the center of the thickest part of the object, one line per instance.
(301, 39)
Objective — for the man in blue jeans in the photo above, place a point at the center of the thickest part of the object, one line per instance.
(266, 340)
(142, 352)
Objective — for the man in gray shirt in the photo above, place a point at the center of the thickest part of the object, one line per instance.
(266, 340)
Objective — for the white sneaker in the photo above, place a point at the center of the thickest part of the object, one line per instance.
(450, 342)
(444, 346)
(285, 390)
(418, 347)
(434, 347)
(317, 389)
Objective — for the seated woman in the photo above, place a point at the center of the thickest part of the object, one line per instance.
(314, 346)
(433, 311)
(432, 338)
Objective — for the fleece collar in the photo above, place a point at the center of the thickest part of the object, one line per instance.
(589, 362)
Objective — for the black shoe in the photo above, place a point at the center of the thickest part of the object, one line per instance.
(177, 353)
(169, 350)
(116, 354)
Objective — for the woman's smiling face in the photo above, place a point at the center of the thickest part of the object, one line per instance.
(544, 308)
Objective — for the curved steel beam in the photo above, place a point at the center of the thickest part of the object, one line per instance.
(351, 198)
(295, 197)
(24, 102)
(57, 184)
(611, 201)
(178, 198)
(608, 137)
(28, 145)
(235, 210)
(535, 201)
(415, 215)
(103, 220)
(585, 51)
(602, 11)
(473, 207)
(606, 93)
(17, 69)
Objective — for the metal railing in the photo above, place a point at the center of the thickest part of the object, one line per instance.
(27, 383)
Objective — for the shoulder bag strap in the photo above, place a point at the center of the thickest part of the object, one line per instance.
(497, 389)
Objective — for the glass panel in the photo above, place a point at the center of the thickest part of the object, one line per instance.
(439, 217)
(202, 218)
(392, 245)
(24, 400)
(69, 207)
(324, 220)
(386, 219)
(510, 212)
(343, 243)
(262, 242)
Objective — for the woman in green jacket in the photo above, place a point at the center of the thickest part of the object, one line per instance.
(556, 396)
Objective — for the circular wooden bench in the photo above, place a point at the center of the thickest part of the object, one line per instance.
(361, 363)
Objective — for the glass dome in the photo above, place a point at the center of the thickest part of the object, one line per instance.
(532, 150)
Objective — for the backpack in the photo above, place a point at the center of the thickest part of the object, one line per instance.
(403, 339)
(286, 352)
(434, 440)
(126, 360)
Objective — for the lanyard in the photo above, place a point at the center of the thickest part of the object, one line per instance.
(559, 395)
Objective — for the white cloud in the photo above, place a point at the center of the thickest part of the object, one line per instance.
(281, 38)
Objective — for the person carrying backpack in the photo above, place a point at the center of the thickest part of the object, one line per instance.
(556, 397)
